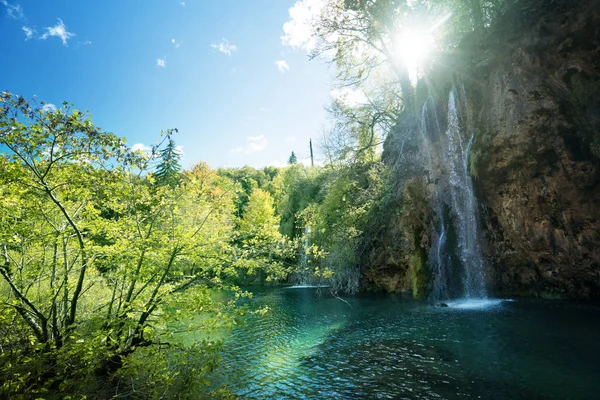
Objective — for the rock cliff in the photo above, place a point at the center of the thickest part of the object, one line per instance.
(536, 156)
(532, 90)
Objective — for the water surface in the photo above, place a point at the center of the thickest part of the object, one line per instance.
(312, 345)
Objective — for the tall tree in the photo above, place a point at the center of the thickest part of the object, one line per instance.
(293, 159)
(169, 167)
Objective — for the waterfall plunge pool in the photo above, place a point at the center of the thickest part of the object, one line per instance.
(312, 345)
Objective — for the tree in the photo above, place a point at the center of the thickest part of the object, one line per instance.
(94, 255)
(292, 160)
(167, 171)
(263, 246)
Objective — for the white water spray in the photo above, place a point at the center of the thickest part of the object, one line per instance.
(463, 205)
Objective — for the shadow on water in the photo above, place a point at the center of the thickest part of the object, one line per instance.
(312, 345)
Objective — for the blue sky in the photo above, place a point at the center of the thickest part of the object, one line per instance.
(218, 71)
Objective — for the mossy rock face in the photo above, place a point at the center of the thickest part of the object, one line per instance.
(536, 153)
(417, 276)
(397, 260)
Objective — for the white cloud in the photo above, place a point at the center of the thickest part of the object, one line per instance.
(59, 30)
(176, 44)
(179, 149)
(85, 43)
(49, 107)
(277, 164)
(13, 11)
(282, 66)
(290, 139)
(141, 147)
(29, 32)
(262, 109)
(161, 62)
(256, 138)
(182, 3)
(254, 144)
(224, 47)
(349, 97)
(299, 29)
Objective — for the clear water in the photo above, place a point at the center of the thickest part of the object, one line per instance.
(314, 346)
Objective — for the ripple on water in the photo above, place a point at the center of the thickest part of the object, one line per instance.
(317, 347)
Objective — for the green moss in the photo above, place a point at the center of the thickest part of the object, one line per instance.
(417, 276)
(473, 160)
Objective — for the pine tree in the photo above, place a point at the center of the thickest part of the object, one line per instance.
(167, 171)
(293, 159)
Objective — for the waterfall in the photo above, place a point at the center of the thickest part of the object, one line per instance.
(456, 248)
(463, 204)
(304, 271)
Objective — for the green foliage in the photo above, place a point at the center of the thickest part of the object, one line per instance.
(339, 221)
(99, 261)
(249, 179)
(297, 187)
(264, 247)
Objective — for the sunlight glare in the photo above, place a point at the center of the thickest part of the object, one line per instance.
(413, 48)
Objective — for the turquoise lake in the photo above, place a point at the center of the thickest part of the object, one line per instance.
(312, 345)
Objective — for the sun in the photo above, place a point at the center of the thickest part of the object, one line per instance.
(412, 48)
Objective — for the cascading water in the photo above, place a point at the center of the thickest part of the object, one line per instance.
(430, 128)
(463, 204)
(455, 206)
(303, 277)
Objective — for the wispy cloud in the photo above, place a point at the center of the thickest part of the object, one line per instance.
(29, 32)
(49, 107)
(224, 47)
(176, 44)
(256, 138)
(282, 66)
(298, 31)
(254, 144)
(14, 11)
(59, 30)
(182, 3)
(161, 62)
